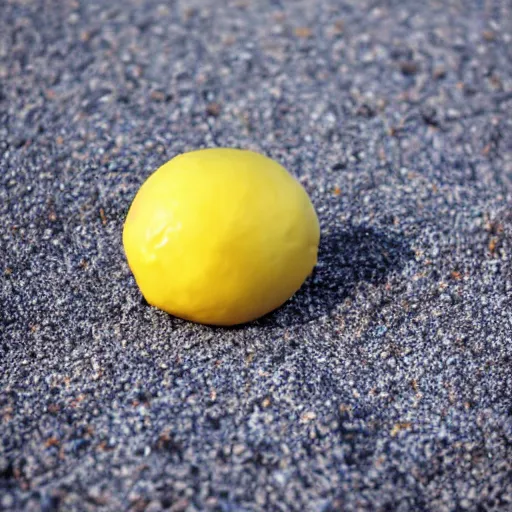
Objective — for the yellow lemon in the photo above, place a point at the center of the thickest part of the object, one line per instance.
(220, 236)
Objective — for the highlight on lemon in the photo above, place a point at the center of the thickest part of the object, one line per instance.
(221, 236)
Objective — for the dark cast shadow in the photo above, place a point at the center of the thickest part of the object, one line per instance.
(346, 257)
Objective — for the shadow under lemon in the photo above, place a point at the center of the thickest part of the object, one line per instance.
(346, 257)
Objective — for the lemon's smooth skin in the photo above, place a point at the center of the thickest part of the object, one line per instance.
(221, 236)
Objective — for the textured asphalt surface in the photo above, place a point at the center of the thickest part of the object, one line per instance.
(386, 383)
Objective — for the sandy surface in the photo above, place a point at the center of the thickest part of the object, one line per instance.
(386, 383)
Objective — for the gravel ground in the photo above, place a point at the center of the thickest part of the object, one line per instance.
(386, 383)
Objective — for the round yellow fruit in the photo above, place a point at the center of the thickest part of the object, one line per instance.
(221, 236)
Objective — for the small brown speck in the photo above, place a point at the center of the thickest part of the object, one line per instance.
(343, 408)
(338, 26)
(103, 217)
(104, 447)
(488, 35)
(213, 109)
(399, 427)
(414, 384)
(487, 149)
(8, 271)
(337, 191)
(456, 275)
(53, 408)
(189, 13)
(303, 32)
(7, 414)
(78, 156)
(213, 395)
(52, 441)
(75, 401)
(380, 461)
(394, 131)
(59, 140)
(495, 81)
(409, 67)
(85, 36)
(493, 227)
(157, 96)
(229, 40)
(52, 216)
(308, 416)
(83, 264)
(419, 275)
(266, 402)
(493, 243)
